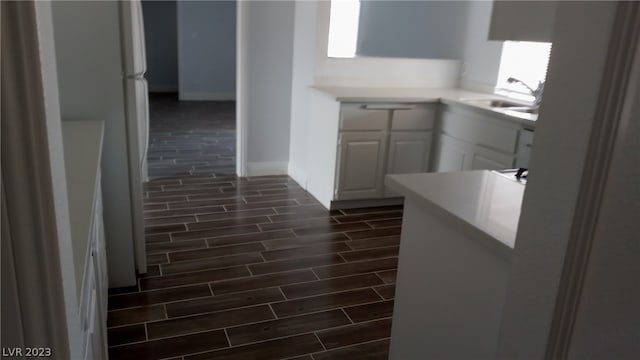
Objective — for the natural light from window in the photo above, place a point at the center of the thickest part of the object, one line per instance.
(343, 28)
(523, 60)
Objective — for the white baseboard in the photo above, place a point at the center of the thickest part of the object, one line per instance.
(200, 96)
(267, 168)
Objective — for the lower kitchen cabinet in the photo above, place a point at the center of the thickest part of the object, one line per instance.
(361, 159)
(380, 139)
(457, 155)
(408, 152)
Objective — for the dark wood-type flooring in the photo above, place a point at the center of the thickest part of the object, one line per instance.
(254, 268)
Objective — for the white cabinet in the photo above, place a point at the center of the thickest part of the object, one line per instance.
(470, 141)
(409, 152)
(361, 165)
(377, 139)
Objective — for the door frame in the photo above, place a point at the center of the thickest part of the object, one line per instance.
(548, 273)
(242, 30)
(40, 273)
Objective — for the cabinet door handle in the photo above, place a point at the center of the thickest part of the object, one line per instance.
(388, 107)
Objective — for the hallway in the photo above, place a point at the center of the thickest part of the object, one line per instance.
(249, 268)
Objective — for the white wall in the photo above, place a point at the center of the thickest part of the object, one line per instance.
(481, 57)
(207, 50)
(269, 59)
(302, 77)
(89, 62)
(161, 39)
(412, 29)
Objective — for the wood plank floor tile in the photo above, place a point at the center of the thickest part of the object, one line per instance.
(353, 334)
(193, 278)
(254, 237)
(164, 228)
(135, 315)
(373, 311)
(236, 214)
(331, 228)
(215, 252)
(374, 242)
(375, 350)
(216, 224)
(356, 268)
(157, 248)
(388, 276)
(327, 286)
(211, 263)
(324, 302)
(322, 248)
(163, 348)
(169, 220)
(126, 334)
(156, 259)
(184, 211)
(223, 302)
(302, 241)
(156, 238)
(261, 281)
(266, 350)
(375, 233)
(260, 205)
(386, 291)
(298, 223)
(377, 224)
(286, 327)
(209, 233)
(369, 254)
(210, 321)
(294, 264)
(146, 298)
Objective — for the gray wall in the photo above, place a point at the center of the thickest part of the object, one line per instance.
(161, 39)
(269, 52)
(207, 50)
(413, 29)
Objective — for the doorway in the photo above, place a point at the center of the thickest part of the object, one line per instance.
(191, 70)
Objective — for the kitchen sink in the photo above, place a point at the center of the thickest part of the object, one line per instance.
(526, 110)
(494, 103)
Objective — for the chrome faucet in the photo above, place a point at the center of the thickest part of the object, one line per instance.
(537, 93)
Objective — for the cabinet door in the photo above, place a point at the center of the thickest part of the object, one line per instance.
(408, 152)
(453, 155)
(487, 159)
(361, 165)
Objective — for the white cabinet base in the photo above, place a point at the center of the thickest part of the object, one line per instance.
(449, 293)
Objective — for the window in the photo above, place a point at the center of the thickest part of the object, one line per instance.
(526, 61)
(343, 28)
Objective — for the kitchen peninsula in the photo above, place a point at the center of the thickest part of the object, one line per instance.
(458, 233)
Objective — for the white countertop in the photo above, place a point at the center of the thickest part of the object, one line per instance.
(456, 97)
(82, 142)
(489, 203)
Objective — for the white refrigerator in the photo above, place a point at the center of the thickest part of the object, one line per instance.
(137, 115)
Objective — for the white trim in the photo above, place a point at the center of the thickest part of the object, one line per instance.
(242, 28)
(206, 96)
(267, 168)
(619, 94)
(37, 210)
